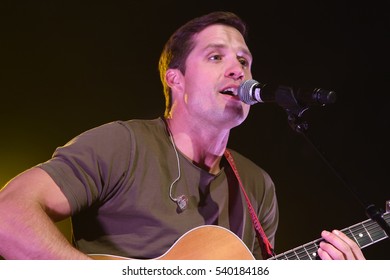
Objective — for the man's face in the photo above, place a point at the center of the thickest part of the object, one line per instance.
(219, 62)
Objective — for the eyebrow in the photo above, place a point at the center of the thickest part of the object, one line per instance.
(222, 46)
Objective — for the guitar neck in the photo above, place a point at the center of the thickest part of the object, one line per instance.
(364, 234)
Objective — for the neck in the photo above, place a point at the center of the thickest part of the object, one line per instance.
(200, 144)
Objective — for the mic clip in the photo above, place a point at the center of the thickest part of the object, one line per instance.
(182, 202)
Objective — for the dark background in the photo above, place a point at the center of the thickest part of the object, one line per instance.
(67, 66)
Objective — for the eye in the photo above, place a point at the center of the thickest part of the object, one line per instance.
(215, 57)
(243, 61)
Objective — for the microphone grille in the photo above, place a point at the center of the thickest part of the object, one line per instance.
(244, 92)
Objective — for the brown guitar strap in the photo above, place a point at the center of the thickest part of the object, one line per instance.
(266, 247)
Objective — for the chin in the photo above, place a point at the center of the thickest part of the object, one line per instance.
(239, 120)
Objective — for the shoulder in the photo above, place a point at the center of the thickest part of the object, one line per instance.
(142, 126)
(116, 138)
(119, 130)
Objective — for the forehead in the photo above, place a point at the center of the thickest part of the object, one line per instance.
(220, 35)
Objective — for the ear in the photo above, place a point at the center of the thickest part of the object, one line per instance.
(174, 79)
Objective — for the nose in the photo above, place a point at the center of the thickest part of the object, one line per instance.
(236, 71)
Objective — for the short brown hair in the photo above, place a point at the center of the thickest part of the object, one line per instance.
(180, 44)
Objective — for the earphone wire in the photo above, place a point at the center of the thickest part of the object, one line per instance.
(178, 167)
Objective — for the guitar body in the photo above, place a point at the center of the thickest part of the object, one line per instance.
(207, 242)
(218, 243)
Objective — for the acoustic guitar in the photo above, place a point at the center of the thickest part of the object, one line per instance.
(210, 242)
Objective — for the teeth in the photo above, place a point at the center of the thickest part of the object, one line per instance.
(230, 90)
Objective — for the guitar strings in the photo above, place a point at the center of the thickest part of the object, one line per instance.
(373, 231)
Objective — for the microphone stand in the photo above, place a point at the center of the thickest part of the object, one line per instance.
(286, 99)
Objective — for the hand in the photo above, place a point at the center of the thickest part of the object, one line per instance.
(338, 246)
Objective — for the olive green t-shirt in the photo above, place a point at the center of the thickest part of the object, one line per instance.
(118, 176)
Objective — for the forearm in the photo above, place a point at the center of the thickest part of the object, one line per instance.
(28, 233)
(27, 206)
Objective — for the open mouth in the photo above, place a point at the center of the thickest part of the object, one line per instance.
(229, 91)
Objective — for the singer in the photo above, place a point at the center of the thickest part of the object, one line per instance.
(133, 188)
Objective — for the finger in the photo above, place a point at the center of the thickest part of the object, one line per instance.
(323, 254)
(339, 249)
(332, 251)
(342, 247)
(355, 249)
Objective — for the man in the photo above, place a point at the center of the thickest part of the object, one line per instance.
(134, 187)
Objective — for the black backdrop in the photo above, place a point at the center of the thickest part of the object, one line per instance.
(67, 66)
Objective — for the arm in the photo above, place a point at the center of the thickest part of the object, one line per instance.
(339, 247)
(29, 205)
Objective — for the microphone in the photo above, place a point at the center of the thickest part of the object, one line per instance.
(252, 92)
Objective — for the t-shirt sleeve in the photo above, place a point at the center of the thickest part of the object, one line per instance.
(90, 167)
